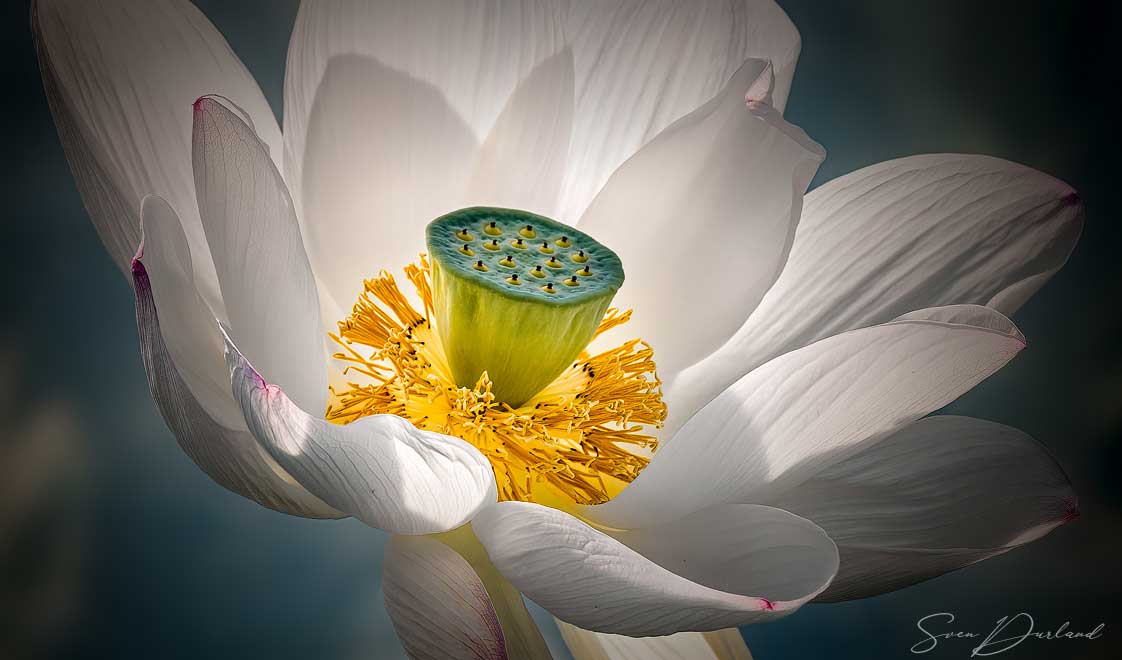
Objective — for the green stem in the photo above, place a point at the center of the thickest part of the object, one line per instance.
(523, 639)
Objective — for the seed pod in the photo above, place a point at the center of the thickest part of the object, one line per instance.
(522, 336)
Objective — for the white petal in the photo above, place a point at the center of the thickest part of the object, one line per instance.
(386, 104)
(380, 469)
(938, 495)
(188, 328)
(698, 576)
(642, 65)
(717, 645)
(120, 78)
(703, 217)
(438, 605)
(521, 161)
(183, 359)
(267, 284)
(905, 234)
(789, 418)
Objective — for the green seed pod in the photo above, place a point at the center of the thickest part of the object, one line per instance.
(521, 319)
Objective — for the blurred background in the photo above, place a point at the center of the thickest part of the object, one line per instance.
(112, 543)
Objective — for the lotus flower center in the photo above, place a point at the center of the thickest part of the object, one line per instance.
(497, 355)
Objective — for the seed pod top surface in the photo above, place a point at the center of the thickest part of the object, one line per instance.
(524, 256)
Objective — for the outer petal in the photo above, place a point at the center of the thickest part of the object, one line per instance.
(386, 104)
(642, 65)
(813, 407)
(694, 577)
(938, 495)
(905, 234)
(189, 331)
(120, 78)
(267, 284)
(181, 359)
(438, 605)
(381, 469)
(703, 217)
(717, 645)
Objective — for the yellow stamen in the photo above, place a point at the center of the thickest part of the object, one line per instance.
(575, 438)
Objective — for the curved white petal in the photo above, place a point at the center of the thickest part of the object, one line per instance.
(438, 605)
(521, 161)
(641, 65)
(183, 360)
(813, 407)
(901, 235)
(698, 574)
(717, 645)
(703, 218)
(120, 78)
(267, 284)
(386, 104)
(188, 328)
(937, 495)
(380, 469)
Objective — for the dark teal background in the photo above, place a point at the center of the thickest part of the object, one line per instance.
(134, 553)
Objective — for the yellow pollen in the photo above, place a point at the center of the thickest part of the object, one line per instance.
(576, 438)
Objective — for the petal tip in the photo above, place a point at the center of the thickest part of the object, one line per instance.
(1071, 509)
(137, 267)
(204, 102)
(759, 92)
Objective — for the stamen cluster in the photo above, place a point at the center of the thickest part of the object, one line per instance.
(577, 437)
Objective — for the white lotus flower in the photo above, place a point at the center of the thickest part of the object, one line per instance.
(800, 343)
